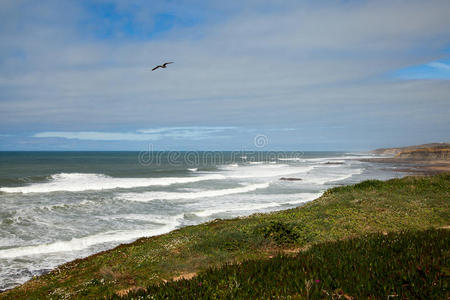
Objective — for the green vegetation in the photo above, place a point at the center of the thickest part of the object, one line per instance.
(280, 232)
(406, 265)
(410, 203)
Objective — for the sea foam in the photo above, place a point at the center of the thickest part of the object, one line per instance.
(77, 244)
(263, 171)
(245, 207)
(149, 196)
(77, 182)
(235, 208)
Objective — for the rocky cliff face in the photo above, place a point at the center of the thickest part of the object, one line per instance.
(425, 151)
(387, 151)
(426, 154)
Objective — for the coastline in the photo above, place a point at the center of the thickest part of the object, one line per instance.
(100, 208)
(67, 206)
(339, 213)
(426, 159)
(414, 166)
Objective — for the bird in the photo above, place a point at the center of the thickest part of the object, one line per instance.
(164, 65)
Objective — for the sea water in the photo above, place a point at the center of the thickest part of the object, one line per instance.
(59, 206)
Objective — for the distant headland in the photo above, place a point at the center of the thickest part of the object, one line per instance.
(422, 159)
(432, 151)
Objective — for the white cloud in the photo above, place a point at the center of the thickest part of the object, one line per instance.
(439, 65)
(187, 133)
(96, 136)
(197, 129)
(261, 65)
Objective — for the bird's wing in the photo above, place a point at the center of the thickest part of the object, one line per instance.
(171, 62)
(156, 68)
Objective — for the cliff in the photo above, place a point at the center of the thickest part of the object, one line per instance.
(426, 154)
(433, 151)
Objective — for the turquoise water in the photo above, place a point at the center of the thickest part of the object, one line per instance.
(58, 206)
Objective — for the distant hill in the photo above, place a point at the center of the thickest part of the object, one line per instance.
(432, 151)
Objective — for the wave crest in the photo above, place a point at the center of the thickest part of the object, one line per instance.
(149, 196)
(78, 182)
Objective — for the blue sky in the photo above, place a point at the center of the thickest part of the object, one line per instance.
(439, 69)
(307, 75)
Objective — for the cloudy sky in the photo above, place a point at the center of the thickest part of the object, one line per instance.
(305, 75)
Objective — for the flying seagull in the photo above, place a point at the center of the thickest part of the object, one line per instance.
(164, 65)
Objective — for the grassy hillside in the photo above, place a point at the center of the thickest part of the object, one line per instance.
(369, 207)
(406, 265)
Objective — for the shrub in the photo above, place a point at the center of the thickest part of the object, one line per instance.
(281, 233)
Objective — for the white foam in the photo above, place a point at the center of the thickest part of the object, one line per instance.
(304, 197)
(245, 207)
(265, 171)
(69, 205)
(339, 158)
(77, 244)
(150, 196)
(331, 177)
(236, 207)
(335, 161)
(193, 169)
(262, 170)
(231, 166)
(191, 189)
(292, 159)
(77, 182)
(161, 219)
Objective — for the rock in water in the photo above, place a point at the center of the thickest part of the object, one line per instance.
(290, 179)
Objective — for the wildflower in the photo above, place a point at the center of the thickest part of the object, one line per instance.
(199, 284)
(317, 280)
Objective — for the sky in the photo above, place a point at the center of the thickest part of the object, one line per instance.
(296, 75)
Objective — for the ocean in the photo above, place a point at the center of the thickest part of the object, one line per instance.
(59, 206)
